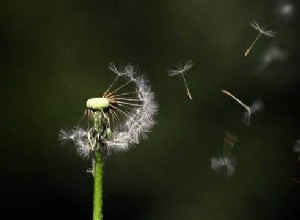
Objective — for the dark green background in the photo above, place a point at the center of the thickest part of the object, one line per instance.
(54, 56)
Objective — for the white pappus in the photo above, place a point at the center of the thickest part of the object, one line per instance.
(125, 115)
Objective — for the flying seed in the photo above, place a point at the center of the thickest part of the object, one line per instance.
(181, 70)
(262, 31)
(250, 110)
(225, 162)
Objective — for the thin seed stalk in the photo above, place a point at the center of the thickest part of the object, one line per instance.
(250, 48)
(187, 88)
(98, 184)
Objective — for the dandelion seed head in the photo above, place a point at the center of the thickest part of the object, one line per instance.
(262, 29)
(117, 120)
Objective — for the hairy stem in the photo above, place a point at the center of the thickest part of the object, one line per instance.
(98, 183)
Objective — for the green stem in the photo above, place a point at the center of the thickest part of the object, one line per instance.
(98, 174)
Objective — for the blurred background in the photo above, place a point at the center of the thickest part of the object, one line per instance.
(54, 56)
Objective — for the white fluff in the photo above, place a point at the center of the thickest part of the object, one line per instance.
(80, 138)
(140, 120)
(181, 69)
(262, 29)
(223, 163)
(254, 108)
(128, 132)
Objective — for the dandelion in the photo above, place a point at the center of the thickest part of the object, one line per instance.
(117, 120)
(250, 110)
(225, 162)
(181, 70)
(262, 31)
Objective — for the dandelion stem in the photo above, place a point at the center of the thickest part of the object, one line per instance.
(250, 48)
(98, 175)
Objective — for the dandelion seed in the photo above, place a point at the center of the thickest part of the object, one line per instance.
(271, 55)
(274, 53)
(286, 9)
(255, 107)
(262, 31)
(80, 139)
(225, 162)
(181, 70)
(220, 163)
